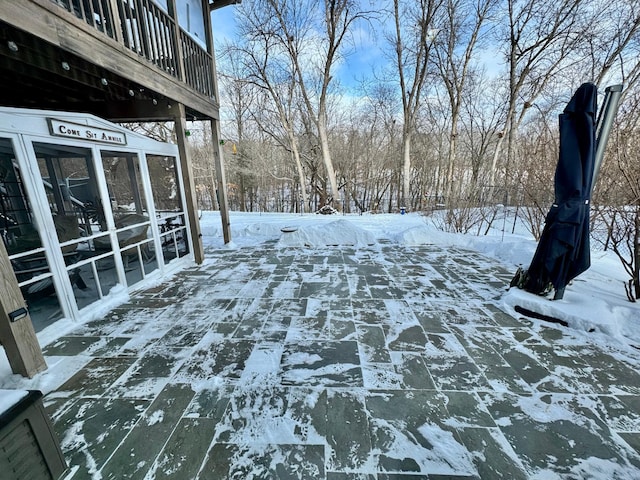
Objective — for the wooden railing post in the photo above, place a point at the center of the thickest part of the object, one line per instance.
(182, 74)
(16, 330)
(118, 22)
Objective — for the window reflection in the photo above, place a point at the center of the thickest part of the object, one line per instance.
(72, 191)
(122, 171)
(130, 211)
(164, 183)
(71, 186)
(82, 241)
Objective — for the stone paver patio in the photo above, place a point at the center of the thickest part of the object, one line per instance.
(340, 363)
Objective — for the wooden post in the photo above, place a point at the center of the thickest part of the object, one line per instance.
(222, 182)
(221, 187)
(117, 22)
(187, 178)
(16, 330)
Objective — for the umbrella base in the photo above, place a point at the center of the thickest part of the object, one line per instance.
(523, 281)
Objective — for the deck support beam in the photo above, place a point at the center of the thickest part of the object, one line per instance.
(187, 179)
(221, 187)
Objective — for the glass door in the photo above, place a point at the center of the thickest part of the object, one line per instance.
(70, 183)
(169, 206)
(20, 234)
(130, 213)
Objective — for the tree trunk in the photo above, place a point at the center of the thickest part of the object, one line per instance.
(295, 153)
(406, 170)
(451, 156)
(326, 158)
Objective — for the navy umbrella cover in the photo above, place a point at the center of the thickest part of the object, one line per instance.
(564, 250)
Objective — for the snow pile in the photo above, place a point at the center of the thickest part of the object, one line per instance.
(256, 230)
(340, 232)
(427, 234)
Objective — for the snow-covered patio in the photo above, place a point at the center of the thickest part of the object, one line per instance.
(376, 360)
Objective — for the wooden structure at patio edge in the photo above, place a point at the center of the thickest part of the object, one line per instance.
(16, 334)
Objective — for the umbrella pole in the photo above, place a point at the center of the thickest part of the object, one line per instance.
(603, 127)
(559, 295)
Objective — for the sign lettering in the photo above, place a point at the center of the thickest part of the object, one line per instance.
(59, 128)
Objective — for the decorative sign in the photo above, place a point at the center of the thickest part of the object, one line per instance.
(61, 128)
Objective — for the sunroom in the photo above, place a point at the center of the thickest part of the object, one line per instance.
(89, 212)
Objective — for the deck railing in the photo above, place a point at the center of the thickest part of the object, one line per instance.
(143, 27)
(198, 66)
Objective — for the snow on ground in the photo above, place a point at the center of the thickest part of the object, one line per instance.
(594, 302)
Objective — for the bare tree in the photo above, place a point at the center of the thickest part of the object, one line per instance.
(615, 57)
(269, 67)
(239, 96)
(460, 25)
(412, 43)
(391, 147)
(484, 112)
(613, 46)
(314, 53)
(617, 217)
(539, 39)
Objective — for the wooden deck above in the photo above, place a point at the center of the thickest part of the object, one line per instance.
(124, 60)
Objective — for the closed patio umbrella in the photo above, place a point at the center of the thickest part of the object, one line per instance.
(563, 252)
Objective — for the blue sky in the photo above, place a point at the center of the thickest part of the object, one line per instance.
(223, 23)
(362, 56)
